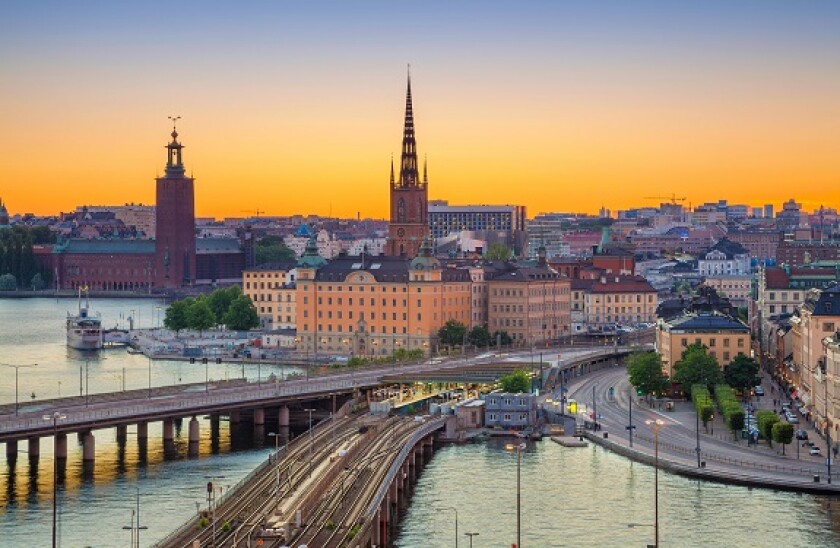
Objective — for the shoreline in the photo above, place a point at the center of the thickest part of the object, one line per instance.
(68, 294)
(746, 480)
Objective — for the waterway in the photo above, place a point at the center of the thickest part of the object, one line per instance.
(570, 497)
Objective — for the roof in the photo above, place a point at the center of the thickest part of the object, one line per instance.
(283, 266)
(706, 322)
(828, 302)
(382, 268)
(623, 284)
(527, 274)
(585, 285)
(120, 247)
(217, 245)
(729, 248)
(776, 278)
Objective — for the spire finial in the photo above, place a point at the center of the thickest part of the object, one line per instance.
(425, 170)
(392, 168)
(408, 161)
(174, 124)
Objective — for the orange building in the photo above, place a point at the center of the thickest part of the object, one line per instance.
(374, 305)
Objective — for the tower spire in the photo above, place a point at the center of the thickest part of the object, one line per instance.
(408, 160)
(174, 160)
(392, 168)
(425, 170)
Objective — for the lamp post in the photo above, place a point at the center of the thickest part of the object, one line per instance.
(17, 368)
(630, 425)
(824, 368)
(471, 535)
(311, 441)
(55, 417)
(656, 425)
(211, 503)
(518, 448)
(276, 436)
(456, 519)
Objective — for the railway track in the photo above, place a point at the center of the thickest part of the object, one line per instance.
(241, 514)
(335, 519)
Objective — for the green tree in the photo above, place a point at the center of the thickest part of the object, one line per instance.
(766, 419)
(452, 333)
(200, 316)
(741, 373)
(221, 299)
(272, 249)
(697, 366)
(516, 382)
(176, 316)
(241, 314)
(645, 371)
(479, 336)
(8, 282)
(501, 338)
(782, 433)
(498, 252)
(38, 282)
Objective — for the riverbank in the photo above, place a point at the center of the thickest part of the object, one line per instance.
(70, 294)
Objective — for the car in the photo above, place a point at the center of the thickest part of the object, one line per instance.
(759, 391)
(814, 451)
(801, 434)
(791, 418)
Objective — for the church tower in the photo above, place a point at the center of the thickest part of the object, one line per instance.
(175, 220)
(409, 195)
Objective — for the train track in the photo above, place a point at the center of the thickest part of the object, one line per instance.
(241, 514)
(336, 518)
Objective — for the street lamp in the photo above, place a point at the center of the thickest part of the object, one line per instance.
(55, 417)
(211, 502)
(135, 538)
(17, 368)
(471, 535)
(824, 369)
(518, 448)
(456, 520)
(276, 436)
(656, 425)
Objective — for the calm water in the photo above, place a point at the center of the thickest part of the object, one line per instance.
(571, 497)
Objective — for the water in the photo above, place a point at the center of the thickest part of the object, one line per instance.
(570, 497)
(588, 496)
(93, 509)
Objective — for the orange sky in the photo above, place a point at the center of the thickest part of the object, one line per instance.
(306, 122)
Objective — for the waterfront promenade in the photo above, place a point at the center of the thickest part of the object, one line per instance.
(724, 457)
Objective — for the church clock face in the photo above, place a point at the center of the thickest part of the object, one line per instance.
(400, 232)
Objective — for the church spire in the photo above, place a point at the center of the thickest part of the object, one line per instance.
(425, 170)
(392, 169)
(408, 161)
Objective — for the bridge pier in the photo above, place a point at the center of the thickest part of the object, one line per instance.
(11, 450)
(60, 444)
(168, 430)
(235, 417)
(259, 417)
(194, 437)
(283, 423)
(142, 430)
(122, 434)
(34, 447)
(88, 446)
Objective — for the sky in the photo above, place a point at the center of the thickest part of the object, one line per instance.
(297, 107)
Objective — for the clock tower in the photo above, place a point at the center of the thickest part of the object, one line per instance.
(409, 195)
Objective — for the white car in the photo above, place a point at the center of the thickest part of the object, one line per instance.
(814, 451)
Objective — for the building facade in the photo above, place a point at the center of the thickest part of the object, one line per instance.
(271, 288)
(503, 410)
(724, 336)
(725, 258)
(628, 300)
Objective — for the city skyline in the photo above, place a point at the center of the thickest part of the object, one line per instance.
(553, 101)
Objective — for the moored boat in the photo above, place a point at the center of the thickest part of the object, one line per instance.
(84, 332)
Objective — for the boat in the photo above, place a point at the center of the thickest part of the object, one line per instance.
(84, 332)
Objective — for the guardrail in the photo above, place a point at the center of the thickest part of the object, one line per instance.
(419, 434)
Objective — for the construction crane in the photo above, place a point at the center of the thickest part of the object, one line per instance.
(256, 212)
(672, 198)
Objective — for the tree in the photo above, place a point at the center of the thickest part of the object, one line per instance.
(200, 316)
(271, 249)
(782, 433)
(176, 316)
(452, 333)
(221, 299)
(741, 373)
(515, 382)
(645, 370)
(766, 419)
(697, 366)
(241, 315)
(501, 338)
(498, 252)
(8, 282)
(38, 282)
(479, 336)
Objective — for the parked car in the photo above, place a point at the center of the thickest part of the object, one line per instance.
(759, 391)
(791, 418)
(801, 434)
(814, 451)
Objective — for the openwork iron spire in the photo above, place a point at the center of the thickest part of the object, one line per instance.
(408, 162)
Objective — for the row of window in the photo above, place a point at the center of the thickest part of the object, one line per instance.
(713, 342)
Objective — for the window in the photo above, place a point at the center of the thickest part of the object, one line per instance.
(712, 342)
(828, 326)
(740, 343)
(726, 356)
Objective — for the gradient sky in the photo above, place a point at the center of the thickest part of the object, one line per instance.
(296, 107)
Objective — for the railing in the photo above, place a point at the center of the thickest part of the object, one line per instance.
(419, 434)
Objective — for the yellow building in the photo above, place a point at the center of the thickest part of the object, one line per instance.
(373, 305)
(271, 287)
(619, 300)
(723, 336)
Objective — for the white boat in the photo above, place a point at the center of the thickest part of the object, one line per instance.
(84, 332)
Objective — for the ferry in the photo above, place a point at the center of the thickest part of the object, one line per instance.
(84, 332)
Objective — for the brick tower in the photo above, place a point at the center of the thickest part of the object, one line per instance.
(175, 221)
(409, 195)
